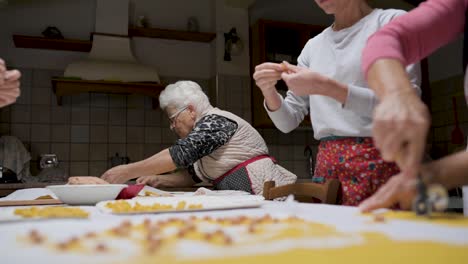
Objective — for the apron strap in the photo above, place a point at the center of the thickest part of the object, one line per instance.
(242, 165)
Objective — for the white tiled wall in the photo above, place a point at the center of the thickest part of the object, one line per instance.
(90, 128)
(443, 116)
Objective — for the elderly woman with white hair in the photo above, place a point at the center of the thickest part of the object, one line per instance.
(214, 146)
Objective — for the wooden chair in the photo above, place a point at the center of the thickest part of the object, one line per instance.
(328, 192)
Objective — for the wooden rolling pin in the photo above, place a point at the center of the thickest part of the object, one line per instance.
(30, 202)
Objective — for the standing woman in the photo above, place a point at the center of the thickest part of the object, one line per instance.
(329, 84)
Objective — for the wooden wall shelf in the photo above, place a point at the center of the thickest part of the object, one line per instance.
(171, 34)
(33, 42)
(414, 2)
(54, 44)
(63, 87)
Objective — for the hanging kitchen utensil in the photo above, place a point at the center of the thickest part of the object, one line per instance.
(310, 161)
(457, 134)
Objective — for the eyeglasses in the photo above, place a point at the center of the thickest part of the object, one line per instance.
(173, 117)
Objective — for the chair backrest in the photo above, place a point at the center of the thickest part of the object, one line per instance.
(327, 192)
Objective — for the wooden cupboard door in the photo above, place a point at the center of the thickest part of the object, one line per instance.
(275, 41)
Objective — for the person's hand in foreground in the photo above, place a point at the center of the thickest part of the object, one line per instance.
(399, 190)
(9, 85)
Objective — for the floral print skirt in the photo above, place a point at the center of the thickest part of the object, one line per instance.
(356, 163)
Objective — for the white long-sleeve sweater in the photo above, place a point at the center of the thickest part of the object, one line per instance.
(337, 55)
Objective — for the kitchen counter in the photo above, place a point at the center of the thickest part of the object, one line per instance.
(7, 188)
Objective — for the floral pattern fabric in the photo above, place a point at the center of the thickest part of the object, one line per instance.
(357, 164)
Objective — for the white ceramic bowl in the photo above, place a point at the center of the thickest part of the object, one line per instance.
(86, 194)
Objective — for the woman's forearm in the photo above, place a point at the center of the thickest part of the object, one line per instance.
(451, 171)
(335, 90)
(415, 35)
(157, 164)
(272, 100)
(388, 76)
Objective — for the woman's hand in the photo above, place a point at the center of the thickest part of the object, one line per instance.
(9, 85)
(398, 190)
(302, 81)
(152, 180)
(266, 76)
(400, 126)
(177, 179)
(118, 174)
(86, 180)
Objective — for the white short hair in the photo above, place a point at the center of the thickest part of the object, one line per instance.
(183, 93)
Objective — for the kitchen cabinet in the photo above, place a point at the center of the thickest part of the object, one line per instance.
(275, 41)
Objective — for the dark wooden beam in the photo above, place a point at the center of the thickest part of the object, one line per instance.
(414, 2)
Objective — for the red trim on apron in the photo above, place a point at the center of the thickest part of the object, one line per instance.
(241, 165)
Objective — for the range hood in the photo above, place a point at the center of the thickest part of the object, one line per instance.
(111, 57)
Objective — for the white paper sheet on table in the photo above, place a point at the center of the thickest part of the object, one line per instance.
(205, 191)
(153, 190)
(199, 191)
(28, 194)
(231, 195)
(33, 193)
(208, 203)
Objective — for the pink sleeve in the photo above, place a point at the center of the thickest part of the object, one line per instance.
(415, 35)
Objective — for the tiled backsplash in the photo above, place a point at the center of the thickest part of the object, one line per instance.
(90, 128)
(443, 118)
